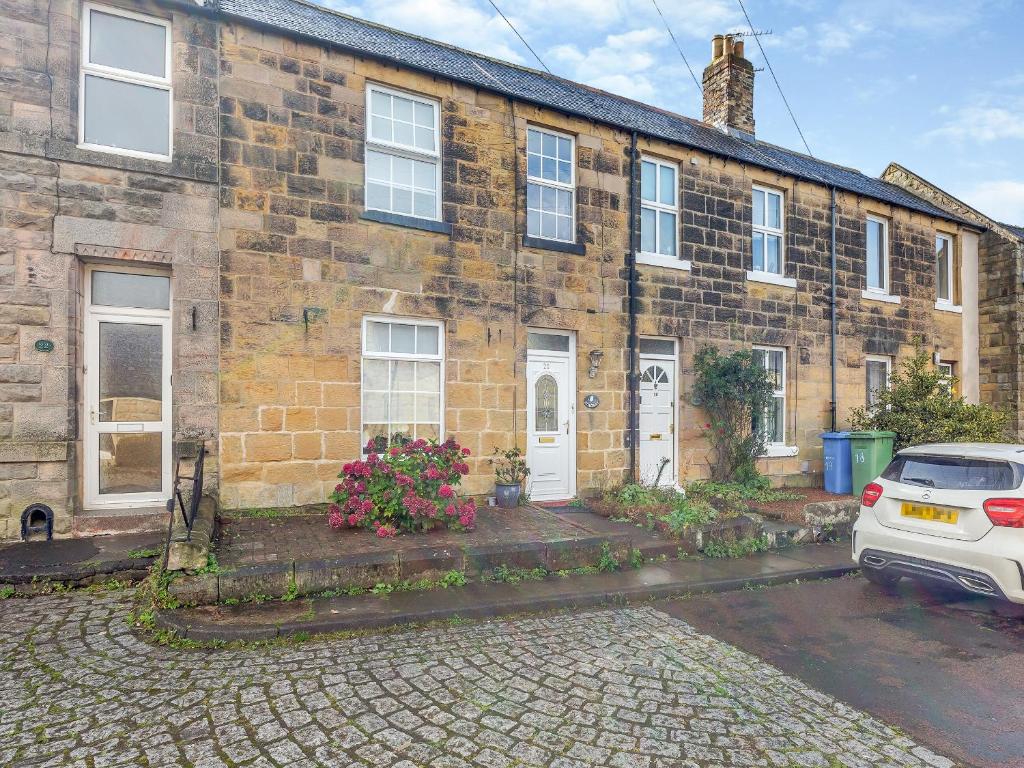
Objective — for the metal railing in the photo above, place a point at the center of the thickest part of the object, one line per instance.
(188, 515)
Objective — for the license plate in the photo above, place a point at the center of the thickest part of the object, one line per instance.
(933, 514)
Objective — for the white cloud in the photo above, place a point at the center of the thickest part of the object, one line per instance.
(982, 122)
(623, 64)
(1002, 200)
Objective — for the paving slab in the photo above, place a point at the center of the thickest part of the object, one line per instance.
(78, 560)
(490, 599)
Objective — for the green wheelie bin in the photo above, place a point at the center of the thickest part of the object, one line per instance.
(870, 454)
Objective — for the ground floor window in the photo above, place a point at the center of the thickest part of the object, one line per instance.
(402, 375)
(876, 372)
(948, 371)
(773, 422)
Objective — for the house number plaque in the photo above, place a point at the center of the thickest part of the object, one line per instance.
(591, 401)
(44, 345)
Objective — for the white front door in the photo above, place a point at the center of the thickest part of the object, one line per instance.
(127, 435)
(657, 420)
(551, 418)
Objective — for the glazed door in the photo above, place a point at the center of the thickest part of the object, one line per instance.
(550, 427)
(657, 421)
(127, 408)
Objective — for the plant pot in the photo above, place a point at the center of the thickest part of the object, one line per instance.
(507, 495)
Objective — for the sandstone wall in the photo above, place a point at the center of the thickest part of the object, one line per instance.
(302, 265)
(61, 208)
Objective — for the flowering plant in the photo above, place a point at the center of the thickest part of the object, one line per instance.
(408, 487)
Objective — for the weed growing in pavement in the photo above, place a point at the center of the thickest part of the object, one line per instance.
(607, 562)
(6, 592)
(636, 558)
(738, 548)
(453, 578)
(507, 575)
(267, 513)
(212, 566)
(292, 591)
(141, 554)
(586, 570)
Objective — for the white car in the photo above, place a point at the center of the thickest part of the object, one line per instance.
(950, 513)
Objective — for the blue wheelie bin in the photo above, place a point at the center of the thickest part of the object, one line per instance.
(838, 466)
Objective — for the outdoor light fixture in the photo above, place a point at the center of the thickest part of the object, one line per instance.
(596, 356)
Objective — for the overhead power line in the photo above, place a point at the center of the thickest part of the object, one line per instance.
(682, 55)
(778, 85)
(523, 39)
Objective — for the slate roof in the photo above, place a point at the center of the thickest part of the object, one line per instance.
(373, 40)
(1018, 231)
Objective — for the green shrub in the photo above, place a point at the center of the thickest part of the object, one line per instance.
(633, 495)
(689, 511)
(921, 406)
(731, 390)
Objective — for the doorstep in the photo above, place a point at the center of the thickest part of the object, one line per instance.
(262, 621)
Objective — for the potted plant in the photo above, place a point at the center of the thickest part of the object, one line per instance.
(509, 472)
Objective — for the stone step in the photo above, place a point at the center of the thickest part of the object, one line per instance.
(95, 522)
(482, 599)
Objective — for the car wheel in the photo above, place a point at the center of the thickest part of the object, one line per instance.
(881, 578)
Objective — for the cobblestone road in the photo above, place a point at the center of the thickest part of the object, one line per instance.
(628, 687)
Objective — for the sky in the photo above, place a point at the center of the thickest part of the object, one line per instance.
(935, 85)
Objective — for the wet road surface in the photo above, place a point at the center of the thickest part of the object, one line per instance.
(946, 668)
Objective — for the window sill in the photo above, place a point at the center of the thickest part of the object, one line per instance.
(413, 222)
(658, 260)
(889, 298)
(554, 245)
(777, 451)
(133, 153)
(771, 278)
(945, 306)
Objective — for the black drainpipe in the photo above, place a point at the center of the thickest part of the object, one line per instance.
(633, 428)
(834, 406)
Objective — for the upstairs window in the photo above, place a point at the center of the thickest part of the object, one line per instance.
(944, 285)
(659, 207)
(125, 83)
(550, 185)
(773, 422)
(768, 231)
(403, 154)
(877, 254)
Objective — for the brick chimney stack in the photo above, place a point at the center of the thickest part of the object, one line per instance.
(729, 88)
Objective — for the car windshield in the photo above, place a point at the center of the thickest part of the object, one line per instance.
(955, 473)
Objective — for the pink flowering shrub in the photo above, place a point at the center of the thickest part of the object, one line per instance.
(407, 487)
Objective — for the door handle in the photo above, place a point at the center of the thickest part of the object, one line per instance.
(567, 426)
(92, 415)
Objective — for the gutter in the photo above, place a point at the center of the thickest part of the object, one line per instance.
(633, 427)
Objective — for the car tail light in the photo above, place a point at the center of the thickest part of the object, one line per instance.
(1005, 513)
(872, 493)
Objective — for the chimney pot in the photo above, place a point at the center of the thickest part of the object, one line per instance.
(737, 49)
(717, 45)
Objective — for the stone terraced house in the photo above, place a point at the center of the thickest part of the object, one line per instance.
(288, 232)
